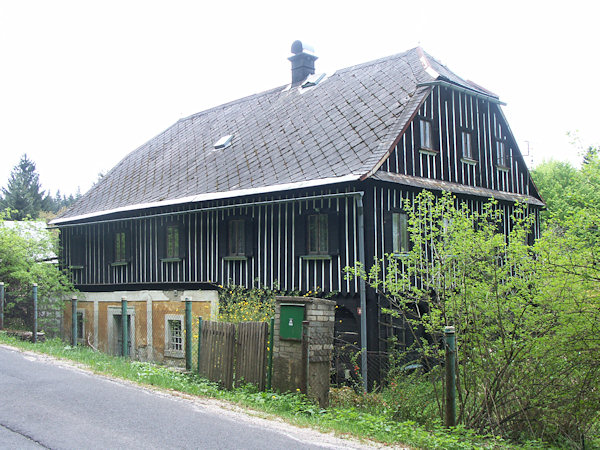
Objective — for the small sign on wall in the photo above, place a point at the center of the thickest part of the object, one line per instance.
(291, 316)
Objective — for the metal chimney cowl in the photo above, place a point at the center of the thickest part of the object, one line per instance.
(303, 62)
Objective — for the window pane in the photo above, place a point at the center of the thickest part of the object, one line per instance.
(175, 335)
(120, 246)
(172, 241)
(318, 234)
(426, 138)
(323, 241)
(500, 153)
(237, 238)
(399, 233)
(466, 145)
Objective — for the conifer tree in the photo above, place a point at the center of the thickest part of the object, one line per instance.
(23, 195)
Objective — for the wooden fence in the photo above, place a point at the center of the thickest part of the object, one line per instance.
(234, 353)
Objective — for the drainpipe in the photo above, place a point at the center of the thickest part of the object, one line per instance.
(362, 290)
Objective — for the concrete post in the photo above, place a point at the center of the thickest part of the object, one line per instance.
(35, 313)
(199, 340)
(450, 340)
(1, 305)
(188, 334)
(124, 328)
(74, 321)
(270, 354)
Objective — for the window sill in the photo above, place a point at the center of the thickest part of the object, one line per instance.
(502, 168)
(469, 161)
(235, 258)
(170, 260)
(402, 255)
(175, 353)
(428, 151)
(119, 263)
(316, 257)
(75, 267)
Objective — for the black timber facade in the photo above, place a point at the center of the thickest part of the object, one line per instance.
(424, 149)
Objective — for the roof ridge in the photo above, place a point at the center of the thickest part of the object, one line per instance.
(233, 102)
(375, 61)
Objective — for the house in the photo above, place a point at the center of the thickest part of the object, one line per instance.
(286, 188)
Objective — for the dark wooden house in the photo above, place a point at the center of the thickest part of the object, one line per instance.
(287, 187)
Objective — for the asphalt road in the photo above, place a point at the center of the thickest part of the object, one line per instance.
(46, 404)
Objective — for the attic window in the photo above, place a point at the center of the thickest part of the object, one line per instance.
(224, 142)
(313, 80)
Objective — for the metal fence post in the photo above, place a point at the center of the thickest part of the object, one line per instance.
(188, 334)
(270, 353)
(124, 328)
(1, 305)
(199, 340)
(305, 357)
(35, 324)
(74, 321)
(450, 339)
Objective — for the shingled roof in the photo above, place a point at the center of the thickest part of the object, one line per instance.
(284, 138)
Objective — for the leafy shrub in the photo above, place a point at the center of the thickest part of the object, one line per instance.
(238, 304)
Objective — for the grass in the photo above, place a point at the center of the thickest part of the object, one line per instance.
(344, 418)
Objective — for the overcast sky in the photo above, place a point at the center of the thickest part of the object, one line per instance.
(83, 83)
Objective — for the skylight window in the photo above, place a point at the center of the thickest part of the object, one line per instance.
(313, 80)
(224, 142)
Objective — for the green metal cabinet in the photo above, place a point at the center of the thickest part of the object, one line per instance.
(291, 316)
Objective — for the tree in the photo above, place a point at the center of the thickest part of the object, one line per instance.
(566, 189)
(527, 318)
(23, 195)
(25, 248)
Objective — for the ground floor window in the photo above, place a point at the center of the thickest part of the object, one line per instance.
(174, 335)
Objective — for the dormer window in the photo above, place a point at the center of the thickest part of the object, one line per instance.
(426, 135)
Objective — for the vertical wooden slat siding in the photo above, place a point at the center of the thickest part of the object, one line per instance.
(275, 262)
(454, 112)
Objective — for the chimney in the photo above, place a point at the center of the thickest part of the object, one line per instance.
(303, 62)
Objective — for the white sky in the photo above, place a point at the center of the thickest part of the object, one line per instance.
(83, 83)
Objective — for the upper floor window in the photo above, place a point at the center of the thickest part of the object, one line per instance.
(120, 246)
(501, 157)
(318, 234)
(426, 134)
(467, 148)
(399, 233)
(172, 250)
(237, 238)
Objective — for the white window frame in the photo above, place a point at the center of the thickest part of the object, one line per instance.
(168, 350)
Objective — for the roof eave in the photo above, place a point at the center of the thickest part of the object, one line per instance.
(209, 196)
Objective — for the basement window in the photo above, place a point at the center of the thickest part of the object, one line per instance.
(224, 142)
(174, 333)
